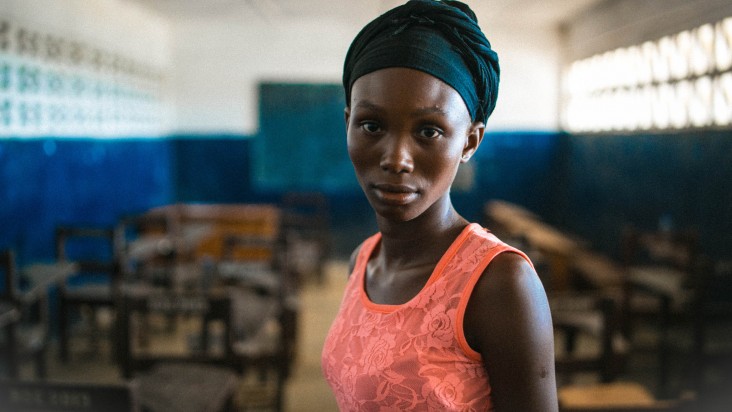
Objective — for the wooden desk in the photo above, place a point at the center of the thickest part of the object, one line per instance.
(503, 211)
(252, 274)
(9, 314)
(558, 247)
(42, 276)
(148, 246)
(661, 281)
(207, 306)
(599, 270)
(204, 227)
(509, 218)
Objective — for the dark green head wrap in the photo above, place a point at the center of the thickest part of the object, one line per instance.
(441, 38)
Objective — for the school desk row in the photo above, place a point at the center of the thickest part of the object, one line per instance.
(660, 282)
(228, 265)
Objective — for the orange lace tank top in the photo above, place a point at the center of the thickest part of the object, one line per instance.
(413, 356)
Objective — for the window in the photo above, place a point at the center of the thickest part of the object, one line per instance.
(678, 82)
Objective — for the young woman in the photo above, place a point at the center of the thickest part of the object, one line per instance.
(438, 314)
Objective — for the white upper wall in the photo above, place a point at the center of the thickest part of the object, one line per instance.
(116, 25)
(528, 95)
(218, 63)
(83, 68)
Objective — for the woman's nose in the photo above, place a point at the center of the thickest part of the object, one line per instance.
(397, 156)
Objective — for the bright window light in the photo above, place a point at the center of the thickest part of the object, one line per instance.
(682, 81)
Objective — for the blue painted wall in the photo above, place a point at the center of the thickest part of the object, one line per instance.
(520, 167)
(302, 139)
(214, 169)
(45, 182)
(608, 180)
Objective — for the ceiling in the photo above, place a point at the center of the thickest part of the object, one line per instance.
(519, 13)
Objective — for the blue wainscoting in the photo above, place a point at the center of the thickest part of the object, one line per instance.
(520, 167)
(46, 182)
(212, 168)
(610, 180)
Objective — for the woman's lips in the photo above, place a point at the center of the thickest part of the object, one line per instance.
(395, 194)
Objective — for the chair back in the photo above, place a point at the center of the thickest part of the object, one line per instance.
(147, 247)
(674, 248)
(201, 310)
(92, 248)
(305, 227)
(593, 315)
(265, 307)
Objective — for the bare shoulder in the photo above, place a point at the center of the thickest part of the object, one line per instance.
(509, 290)
(508, 279)
(508, 321)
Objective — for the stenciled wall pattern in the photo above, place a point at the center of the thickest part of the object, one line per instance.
(53, 85)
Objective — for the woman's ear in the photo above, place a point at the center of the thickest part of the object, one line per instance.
(475, 136)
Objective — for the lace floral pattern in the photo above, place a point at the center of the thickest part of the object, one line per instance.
(410, 357)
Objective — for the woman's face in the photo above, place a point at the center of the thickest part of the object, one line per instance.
(407, 133)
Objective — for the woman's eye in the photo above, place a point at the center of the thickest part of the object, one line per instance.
(430, 133)
(370, 127)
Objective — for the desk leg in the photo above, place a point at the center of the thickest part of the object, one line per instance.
(10, 357)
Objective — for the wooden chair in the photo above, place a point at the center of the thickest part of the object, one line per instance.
(660, 289)
(594, 316)
(183, 372)
(591, 311)
(265, 312)
(45, 396)
(96, 284)
(305, 225)
(147, 248)
(27, 334)
(712, 322)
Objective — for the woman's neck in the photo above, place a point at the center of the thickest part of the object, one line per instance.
(421, 240)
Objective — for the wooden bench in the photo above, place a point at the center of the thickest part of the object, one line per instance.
(597, 271)
(45, 396)
(514, 223)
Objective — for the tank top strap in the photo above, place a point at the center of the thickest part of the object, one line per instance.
(479, 251)
(364, 253)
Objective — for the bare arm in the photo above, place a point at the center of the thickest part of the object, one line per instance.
(508, 321)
